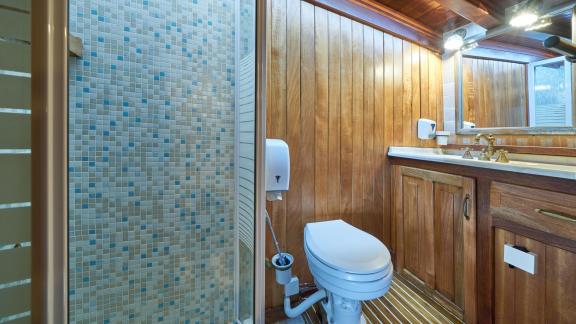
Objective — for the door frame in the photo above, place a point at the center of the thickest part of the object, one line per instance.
(49, 194)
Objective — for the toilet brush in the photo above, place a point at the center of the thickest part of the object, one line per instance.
(281, 258)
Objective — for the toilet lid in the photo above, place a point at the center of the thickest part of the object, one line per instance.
(346, 248)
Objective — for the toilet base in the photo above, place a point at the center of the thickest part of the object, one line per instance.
(340, 310)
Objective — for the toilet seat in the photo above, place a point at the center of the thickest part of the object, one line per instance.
(347, 261)
(346, 248)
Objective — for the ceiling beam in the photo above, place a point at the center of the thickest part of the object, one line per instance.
(384, 18)
(507, 47)
(473, 12)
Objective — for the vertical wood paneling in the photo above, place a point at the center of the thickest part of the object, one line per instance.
(484, 95)
(276, 119)
(407, 98)
(307, 107)
(424, 91)
(388, 128)
(346, 152)
(333, 206)
(379, 133)
(368, 135)
(435, 76)
(357, 122)
(415, 95)
(398, 91)
(340, 93)
(294, 224)
(321, 116)
(506, 84)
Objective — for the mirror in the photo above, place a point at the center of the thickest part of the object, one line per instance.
(510, 83)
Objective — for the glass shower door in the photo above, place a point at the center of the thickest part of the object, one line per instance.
(161, 161)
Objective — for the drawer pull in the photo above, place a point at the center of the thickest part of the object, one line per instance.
(465, 207)
(554, 214)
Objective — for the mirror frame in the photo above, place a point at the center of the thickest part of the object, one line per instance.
(507, 130)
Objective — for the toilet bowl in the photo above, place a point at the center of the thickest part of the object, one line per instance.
(350, 264)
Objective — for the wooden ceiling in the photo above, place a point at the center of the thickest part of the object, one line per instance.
(445, 15)
(425, 21)
(429, 13)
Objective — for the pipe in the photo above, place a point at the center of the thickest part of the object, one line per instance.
(505, 28)
(561, 46)
(303, 306)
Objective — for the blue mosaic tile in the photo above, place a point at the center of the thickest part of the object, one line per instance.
(151, 162)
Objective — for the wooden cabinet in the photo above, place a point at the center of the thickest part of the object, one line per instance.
(548, 296)
(434, 235)
(543, 223)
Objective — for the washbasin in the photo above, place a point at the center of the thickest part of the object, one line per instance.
(544, 165)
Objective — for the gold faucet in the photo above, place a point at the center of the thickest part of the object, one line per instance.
(489, 152)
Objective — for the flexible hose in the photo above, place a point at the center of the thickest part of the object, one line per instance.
(304, 305)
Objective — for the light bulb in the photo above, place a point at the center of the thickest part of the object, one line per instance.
(454, 42)
(524, 19)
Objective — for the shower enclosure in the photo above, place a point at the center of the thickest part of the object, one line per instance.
(145, 195)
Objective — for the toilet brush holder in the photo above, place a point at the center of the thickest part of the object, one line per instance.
(283, 271)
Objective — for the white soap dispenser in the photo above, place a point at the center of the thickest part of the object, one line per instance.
(277, 168)
(426, 129)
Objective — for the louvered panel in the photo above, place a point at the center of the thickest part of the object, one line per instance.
(15, 91)
(15, 178)
(15, 225)
(19, 260)
(14, 56)
(20, 320)
(247, 137)
(14, 131)
(247, 150)
(23, 5)
(14, 25)
(14, 300)
(247, 129)
(551, 115)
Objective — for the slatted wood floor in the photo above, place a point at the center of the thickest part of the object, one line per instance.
(403, 303)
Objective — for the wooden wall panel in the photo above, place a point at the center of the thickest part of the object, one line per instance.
(340, 93)
(277, 113)
(295, 225)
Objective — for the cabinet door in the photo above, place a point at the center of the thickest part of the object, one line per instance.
(435, 240)
(548, 296)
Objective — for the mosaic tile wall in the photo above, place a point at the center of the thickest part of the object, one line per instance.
(151, 158)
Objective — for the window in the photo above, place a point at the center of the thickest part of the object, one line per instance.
(550, 99)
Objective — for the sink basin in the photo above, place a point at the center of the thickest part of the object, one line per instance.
(544, 165)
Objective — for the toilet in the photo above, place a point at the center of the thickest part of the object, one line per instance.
(350, 264)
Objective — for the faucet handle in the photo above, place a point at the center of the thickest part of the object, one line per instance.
(467, 154)
(484, 155)
(502, 156)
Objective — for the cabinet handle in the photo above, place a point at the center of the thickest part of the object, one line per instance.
(465, 207)
(557, 215)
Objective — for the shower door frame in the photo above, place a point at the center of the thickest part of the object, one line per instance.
(49, 165)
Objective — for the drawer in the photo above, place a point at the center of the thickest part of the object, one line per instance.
(547, 211)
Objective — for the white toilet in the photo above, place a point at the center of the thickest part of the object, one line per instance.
(350, 264)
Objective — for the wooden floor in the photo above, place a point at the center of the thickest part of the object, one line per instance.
(403, 303)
